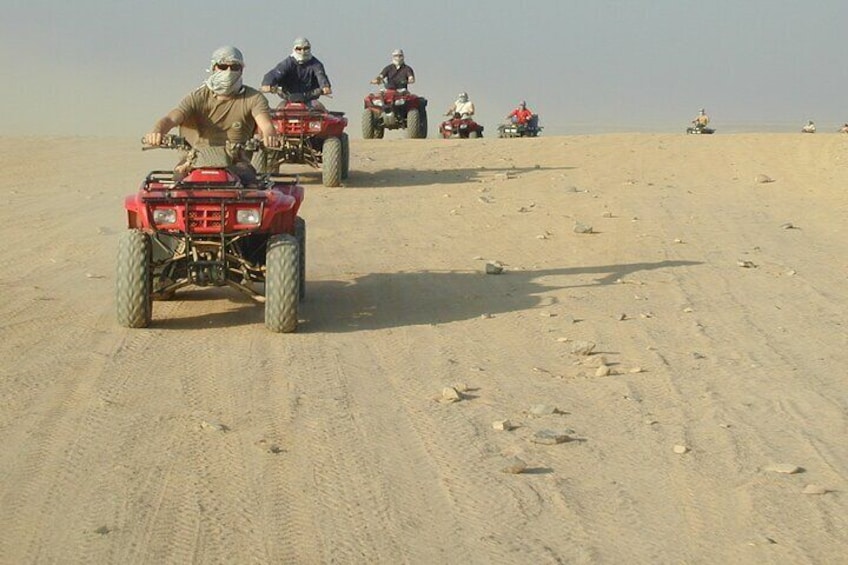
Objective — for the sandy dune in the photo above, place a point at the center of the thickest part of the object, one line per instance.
(718, 304)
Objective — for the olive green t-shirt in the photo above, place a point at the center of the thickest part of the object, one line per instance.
(213, 121)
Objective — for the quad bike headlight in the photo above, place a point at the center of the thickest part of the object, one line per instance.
(378, 102)
(164, 216)
(248, 216)
(314, 126)
(400, 102)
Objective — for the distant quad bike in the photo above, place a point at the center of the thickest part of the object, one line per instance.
(699, 130)
(309, 136)
(394, 109)
(463, 127)
(529, 129)
(207, 227)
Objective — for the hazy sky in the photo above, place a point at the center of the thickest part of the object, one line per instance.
(112, 67)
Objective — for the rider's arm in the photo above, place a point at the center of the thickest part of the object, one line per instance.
(274, 77)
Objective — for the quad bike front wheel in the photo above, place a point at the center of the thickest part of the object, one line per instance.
(369, 126)
(473, 134)
(133, 280)
(332, 160)
(282, 265)
(413, 124)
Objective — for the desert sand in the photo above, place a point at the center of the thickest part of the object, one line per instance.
(689, 352)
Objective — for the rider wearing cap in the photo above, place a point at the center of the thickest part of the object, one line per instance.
(462, 106)
(397, 75)
(299, 73)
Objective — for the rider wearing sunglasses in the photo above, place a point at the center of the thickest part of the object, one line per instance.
(300, 73)
(221, 110)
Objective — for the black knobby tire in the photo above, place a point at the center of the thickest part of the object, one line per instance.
(413, 124)
(422, 118)
(345, 156)
(300, 236)
(281, 283)
(133, 288)
(369, 125)
(331, 162)
(474, 134)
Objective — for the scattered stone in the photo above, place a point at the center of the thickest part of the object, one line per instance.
(603, 371)
(745, 264)
(486, 316)
(582, 228)
(94, 276)
(688, 310)
(763, 179)
(502, 425)
(651, 422)
(563, 339)
(214, 426)
(550, 437)
(646, 315)
(275, 449)
(608, 215)
(546, 314)
(494, 268)
(678, 240)
(637, 370)
(485, 199)
(516, 466)
(543, 410)
(680, 449)
(460, 387)
(582, 347)
(450, 395)
(784, 468)
(791, 273)
(542, 236)
(814, 489)
(788, 226)
(622, 317)
(102, 530)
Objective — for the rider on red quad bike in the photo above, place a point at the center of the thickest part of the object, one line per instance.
(394, 107)
(212, 221)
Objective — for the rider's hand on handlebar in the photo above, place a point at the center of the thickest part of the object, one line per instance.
(153, 139)
(271, 140)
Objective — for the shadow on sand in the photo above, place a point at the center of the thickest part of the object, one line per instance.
(392, 300)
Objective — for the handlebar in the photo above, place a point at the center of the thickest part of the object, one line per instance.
(170, 141)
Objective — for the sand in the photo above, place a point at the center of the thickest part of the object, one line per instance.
(706, 311)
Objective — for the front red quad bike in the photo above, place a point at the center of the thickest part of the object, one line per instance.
(394, 109)
(309, 136)
(208, 227)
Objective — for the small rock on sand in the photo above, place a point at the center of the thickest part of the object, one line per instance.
(550, 437)
(449, 395)
(763, 179)
(494, 268)
(502, 425)
(680, 449)
(814, 489)
(784, 468)
(582, 347)
(516, 466)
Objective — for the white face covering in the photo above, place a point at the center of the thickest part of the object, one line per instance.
(225, 83)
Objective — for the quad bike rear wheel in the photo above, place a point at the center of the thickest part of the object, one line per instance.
(473, 134)
(332, 161)
(300, 236)
(282, 264)
(133, 280)
(345, 156)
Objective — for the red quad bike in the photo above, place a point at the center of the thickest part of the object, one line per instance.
(309, 136)
(209, 228)
(461, 127)
(394, 109)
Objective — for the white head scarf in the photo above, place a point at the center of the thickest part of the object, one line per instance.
(225, 82)
(306, 50)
